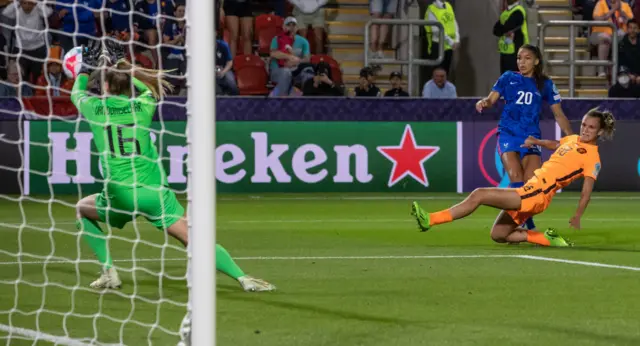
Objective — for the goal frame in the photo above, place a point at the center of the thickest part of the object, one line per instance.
(201, 164)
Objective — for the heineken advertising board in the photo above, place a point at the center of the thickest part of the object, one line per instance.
(265, 157)
(258, 157)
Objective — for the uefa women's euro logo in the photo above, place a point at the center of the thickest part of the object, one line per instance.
(488, 152)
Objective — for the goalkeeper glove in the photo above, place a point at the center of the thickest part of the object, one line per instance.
(90, 55)
(115, 51)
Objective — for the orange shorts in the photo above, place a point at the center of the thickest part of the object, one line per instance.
(535, 195)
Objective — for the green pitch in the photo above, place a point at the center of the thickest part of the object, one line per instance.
(439, 297)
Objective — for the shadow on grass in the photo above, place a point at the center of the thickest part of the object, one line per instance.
(270, 300)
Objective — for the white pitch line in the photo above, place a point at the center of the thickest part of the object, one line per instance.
(36, 335)
(583, 263)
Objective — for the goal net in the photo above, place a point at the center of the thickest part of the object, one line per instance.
(50, 161)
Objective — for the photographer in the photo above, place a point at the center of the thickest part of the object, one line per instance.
(321, 84)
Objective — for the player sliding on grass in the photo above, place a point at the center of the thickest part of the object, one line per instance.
(135, 181)
(574, 157)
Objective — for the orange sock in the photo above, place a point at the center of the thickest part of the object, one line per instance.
(534, 237)
(439, 217)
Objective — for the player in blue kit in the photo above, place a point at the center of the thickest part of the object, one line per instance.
(523, 92)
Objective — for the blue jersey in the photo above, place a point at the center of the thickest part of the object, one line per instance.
(521, 114)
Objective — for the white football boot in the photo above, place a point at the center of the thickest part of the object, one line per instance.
(251, 284)
(108, 279)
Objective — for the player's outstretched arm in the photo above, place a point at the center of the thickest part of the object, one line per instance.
(585, 197)
(545, 143)
(79, 95)
(488, 101)
(561, 119)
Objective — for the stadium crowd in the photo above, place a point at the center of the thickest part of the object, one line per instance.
(275, 48)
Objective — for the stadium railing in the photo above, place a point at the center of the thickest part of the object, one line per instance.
(411, 61)
(572, 62)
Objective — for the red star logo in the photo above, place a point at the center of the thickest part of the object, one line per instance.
(408, 158)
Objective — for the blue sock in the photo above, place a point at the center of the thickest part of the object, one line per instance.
(529, 223)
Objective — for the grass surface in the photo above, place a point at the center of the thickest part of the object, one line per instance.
(382, 300)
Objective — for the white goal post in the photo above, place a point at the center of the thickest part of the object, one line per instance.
(202, 115)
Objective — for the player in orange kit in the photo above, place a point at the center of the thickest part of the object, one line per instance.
(575, 157)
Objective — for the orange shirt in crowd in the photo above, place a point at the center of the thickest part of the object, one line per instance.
(602, 8)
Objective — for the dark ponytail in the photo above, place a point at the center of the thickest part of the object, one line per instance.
(607, 122)
(538, 70)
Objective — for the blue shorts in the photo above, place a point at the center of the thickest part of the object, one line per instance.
(508, 143)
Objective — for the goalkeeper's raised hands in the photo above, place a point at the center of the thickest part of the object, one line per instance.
(90, 54)
(114, 51)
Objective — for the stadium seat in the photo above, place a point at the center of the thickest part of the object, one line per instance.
(251, 75)
(266, 28)
(266, 21)
(335, 67)
(141, 60)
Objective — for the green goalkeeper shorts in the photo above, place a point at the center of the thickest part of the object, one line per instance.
(117, 206)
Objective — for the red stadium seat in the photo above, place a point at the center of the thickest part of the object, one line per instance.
(266, 28)
(251, 75)
(265, 21)
(335, 67)
(265, 36)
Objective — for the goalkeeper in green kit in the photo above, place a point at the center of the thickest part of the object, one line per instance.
(135, 183)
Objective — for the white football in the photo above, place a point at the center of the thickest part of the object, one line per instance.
(72, 62)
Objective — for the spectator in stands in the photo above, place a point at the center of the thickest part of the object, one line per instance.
(396, 83)
(279, 7)
(380, 9)
(513, 33)
(9, 88)
(117, 18)
(585, 8)
(442, 12)
(629, 51)
(78, 21)
(313, 19)
(239, 19)
(53, 82)
(290, 56)
(174, 37)
(438, 87)
(367, 88)
(31, 39)
(149, 19)
(225, 79)
(618, 14)
(321, 84)
(624, 88)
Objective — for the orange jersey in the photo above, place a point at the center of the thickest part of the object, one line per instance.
(572, 160)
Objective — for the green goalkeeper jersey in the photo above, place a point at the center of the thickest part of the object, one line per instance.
(121, 133)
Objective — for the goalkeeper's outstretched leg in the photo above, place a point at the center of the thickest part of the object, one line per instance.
(89, 214)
